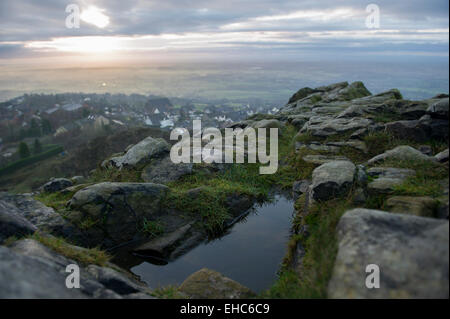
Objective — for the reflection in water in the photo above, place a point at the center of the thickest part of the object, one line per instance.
(249, 253)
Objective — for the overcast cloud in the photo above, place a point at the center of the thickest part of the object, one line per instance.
(413, 27)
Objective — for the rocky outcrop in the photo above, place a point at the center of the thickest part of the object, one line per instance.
(332, 179)
(209, 284)
(12, 223)
(117, 209)
(140, 154)
(42, 217)
(412, 255)
(30, 270)
(401, 153)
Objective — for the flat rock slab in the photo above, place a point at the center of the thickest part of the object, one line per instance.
(161, 246)
(209, 284)
(401, 153)
(387, 178)
(322, 159)
(412, 254)
(418, 206)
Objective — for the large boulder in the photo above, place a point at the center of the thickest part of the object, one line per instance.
(411, 252)
(117, 209)
(42, 217)
(332, 179)
(140, 154)
(57, 184)
(439, 109)
(401, 153)
(12, 223)
(29, 269)
(209, 284)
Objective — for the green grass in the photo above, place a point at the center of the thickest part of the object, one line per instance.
(321, 250)
(57, 201)
(116, 175)
(168, 292)
(82, 255)
(152, 228)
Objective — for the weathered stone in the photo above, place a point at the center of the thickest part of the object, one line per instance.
(417, 206)
(209, 284)
(300, 187)
(268, 124)
(29, 269)
(412, 254)
(161, 246)
(56, 185)
(119, 208)
(323, 127)
(140, 154)
(390, 172)
(414, 130)
(12, 223)
(426, 149)
(439, 109)
(332, 179)
(401, 153)
(322, 159)
(164, 171)
(358, 145)
(43, 217)
(300, 94)
(77, 180)
(26, 277)
(316, 146)
(442, 157)
(383, 185)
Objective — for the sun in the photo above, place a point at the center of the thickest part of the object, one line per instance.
(95, 16)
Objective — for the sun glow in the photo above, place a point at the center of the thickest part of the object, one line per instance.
(95, 16)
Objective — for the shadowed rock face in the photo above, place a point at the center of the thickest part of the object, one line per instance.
(332, 179)
(122, 208)
(12, 223)
(412, 254)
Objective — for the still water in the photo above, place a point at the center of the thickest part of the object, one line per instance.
(250, 253)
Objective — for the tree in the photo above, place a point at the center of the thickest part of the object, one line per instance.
(37, 148)
(46, 127)
(24, 151)
(35, 129)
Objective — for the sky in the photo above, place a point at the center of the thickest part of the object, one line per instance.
(120, 30)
